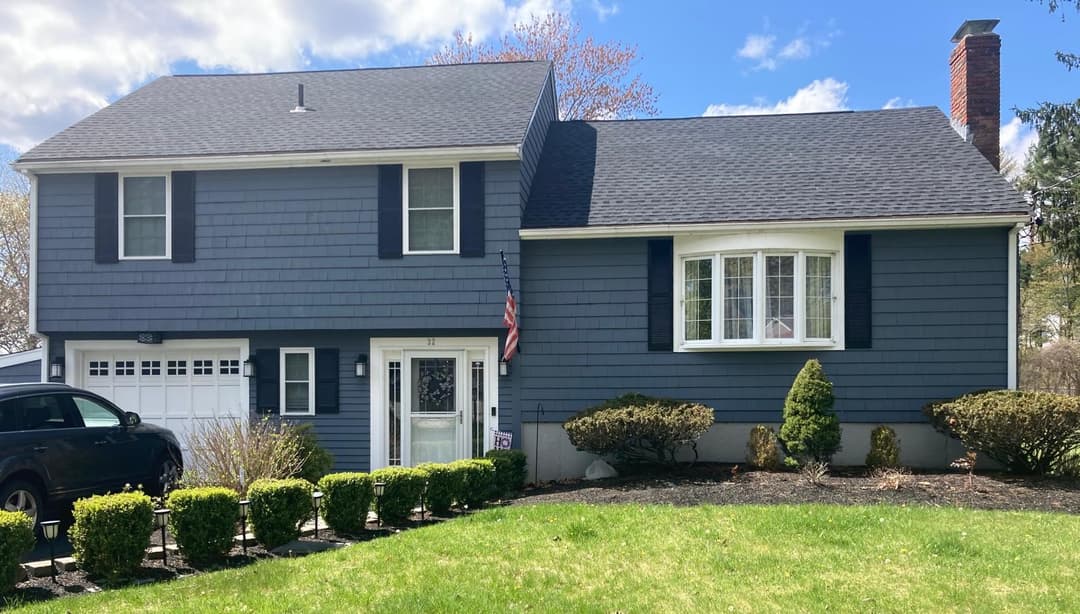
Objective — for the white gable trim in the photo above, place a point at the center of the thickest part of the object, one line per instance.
(20, 358)
(883, 223)
(483, 153)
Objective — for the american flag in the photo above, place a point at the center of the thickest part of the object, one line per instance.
(509, 315)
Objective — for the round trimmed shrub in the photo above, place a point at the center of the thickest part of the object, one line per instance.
(511, 470)
(811, 429)
(884, 449)
(111, 534)
(444, 487)
(477, 481)
(1028, 432)
(203, 522)
(278, 508)
(346, 500)
(16, 539)
(637, 428)
(404, 487)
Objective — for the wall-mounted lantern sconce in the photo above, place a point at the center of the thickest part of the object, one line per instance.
(504, 367)
(361, 365)
(56, 368)
(249, 367)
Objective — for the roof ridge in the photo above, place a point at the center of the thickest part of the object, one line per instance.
(361, 69)
(742, 116)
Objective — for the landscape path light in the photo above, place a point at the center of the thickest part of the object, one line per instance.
(244, 503)
(161, 520)
(50, 529)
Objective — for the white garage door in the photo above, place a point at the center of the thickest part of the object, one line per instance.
(171, 387)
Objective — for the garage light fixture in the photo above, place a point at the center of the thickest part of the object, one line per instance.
(504, 367)
(249, 367)
(361, 365)
(56, 368)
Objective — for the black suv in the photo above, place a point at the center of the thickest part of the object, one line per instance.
(58, 443)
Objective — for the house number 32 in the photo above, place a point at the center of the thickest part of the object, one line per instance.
(431, 341)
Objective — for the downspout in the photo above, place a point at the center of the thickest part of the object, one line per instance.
(1014, 306)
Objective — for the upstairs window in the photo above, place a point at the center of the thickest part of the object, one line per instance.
(431, 210)
(732, 297)
(144, 217)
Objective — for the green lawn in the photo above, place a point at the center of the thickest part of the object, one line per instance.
(582, 558)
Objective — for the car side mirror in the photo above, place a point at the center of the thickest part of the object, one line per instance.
(132, 419)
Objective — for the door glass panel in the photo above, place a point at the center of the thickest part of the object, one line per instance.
(477, 399)
(434, 440)
(393, 394)
(94, 413)
(433, 385)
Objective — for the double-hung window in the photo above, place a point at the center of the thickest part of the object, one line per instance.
(431, 210)
(297, 381)
(144, 217)
(775, 296)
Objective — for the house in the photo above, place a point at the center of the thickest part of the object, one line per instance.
(21, 367)
(235, 245)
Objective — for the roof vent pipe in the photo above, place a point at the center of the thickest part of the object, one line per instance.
(300, 108)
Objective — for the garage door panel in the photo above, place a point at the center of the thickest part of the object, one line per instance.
(176, 388)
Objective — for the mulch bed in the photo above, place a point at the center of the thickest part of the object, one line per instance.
(716, 484)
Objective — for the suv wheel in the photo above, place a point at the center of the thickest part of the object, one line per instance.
(167, 475)
(22, 497)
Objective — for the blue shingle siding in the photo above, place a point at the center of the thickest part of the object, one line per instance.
(939, 329)
(18, 374)
(281, 249)
(533, 144)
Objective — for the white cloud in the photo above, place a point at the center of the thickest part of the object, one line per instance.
(820, 95)
(898, 102)
(1017, 141)
(762, 49)
(797, 49)
(64, 59)
(603, 11)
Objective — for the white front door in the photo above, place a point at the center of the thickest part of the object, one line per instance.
(432, 399)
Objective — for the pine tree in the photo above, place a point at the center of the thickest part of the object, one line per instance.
(811, 429)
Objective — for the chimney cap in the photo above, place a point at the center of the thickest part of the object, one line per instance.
(974, 27)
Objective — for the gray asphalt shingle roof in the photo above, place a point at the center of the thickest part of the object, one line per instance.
(365, 109)
(888, 163)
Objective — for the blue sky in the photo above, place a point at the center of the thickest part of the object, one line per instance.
(67, 59)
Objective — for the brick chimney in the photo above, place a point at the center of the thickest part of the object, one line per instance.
(975, 67)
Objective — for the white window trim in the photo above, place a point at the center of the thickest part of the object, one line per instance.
(168, 216)
(800, 245)
(455, 166)
(311, 381)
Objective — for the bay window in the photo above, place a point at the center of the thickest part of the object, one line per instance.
(785, 293)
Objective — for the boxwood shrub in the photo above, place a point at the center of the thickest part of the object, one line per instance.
(1028, 432)
(404, 486)
(634, 427)
(444, 487)
(16, 539)
(278, 508)
(111, 534)
(346, 500)
(477, 481)
(203, 522)
(511, 470)
(884, 449)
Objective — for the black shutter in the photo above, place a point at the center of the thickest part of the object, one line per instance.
(661, 295)
(106, 216)
(183, 216)
(858, 327)
(267, 387)
(471, 196)
(326, 380)
(390, 211)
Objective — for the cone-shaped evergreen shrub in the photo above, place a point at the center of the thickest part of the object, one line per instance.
(884, 449)
(811, 429)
